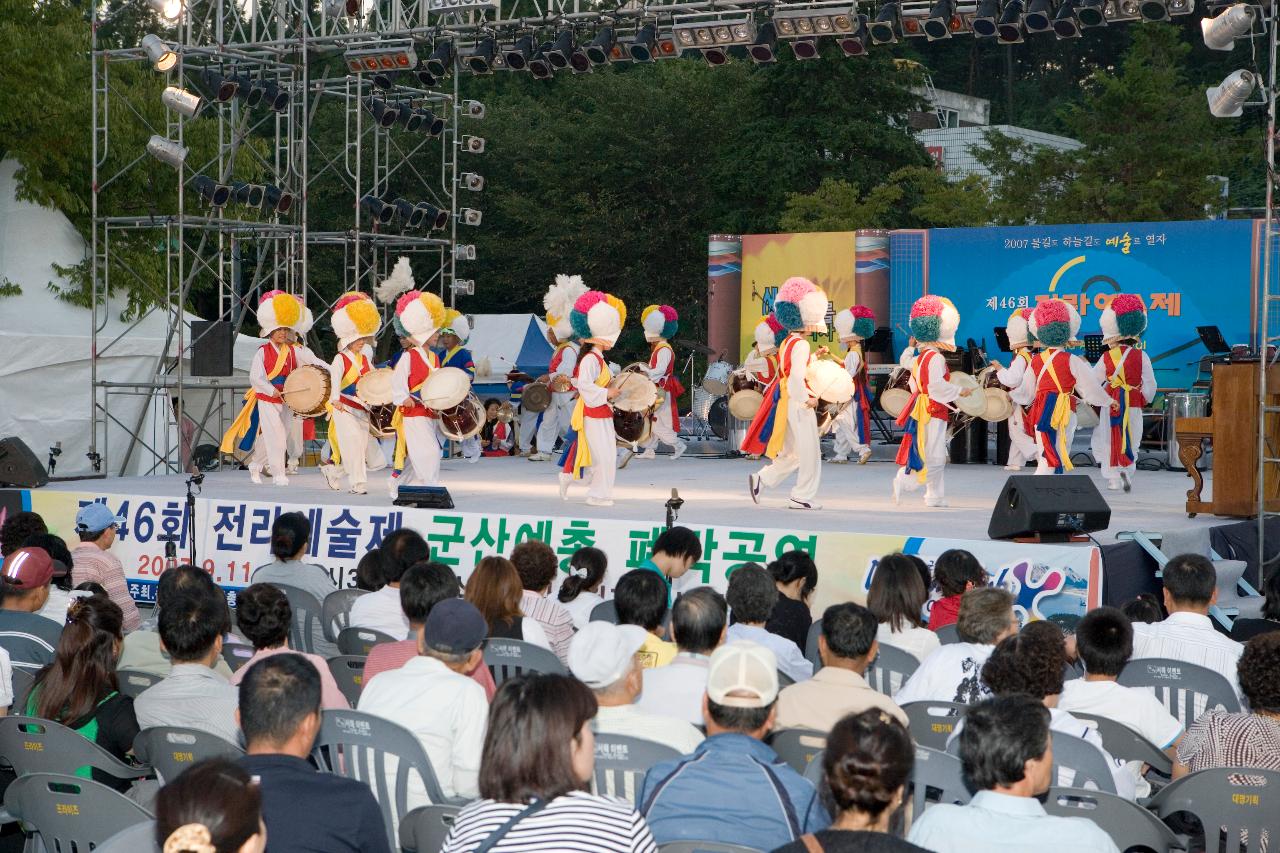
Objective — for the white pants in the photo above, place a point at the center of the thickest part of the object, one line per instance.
(1022, 447)
(374, 458)
(528, 430)
(800, 455)
(555, 421)
(603, 443)
(422, 453)
(1043, 467)
(353, 445)
(662, 429)
(273, 438)
(295, 445)
(846, 433)
(471, 447)
(1101, 443)
(935, 461)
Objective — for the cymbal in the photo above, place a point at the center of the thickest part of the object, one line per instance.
(695, 346)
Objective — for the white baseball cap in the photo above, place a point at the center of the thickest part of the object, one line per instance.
(742, 675)
(602, 653)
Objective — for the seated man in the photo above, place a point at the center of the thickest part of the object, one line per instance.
(641, 600)
(433, 697)
(952, 672)
(30, 639)
(698, 622)
(537, 565)
(733, 788)
(93, 563)
(603, 657)
(675, 552)
(193, 695)
(141, 649)
(847, 646)
(1008, 757)
(304, 810)
(752, 595)
(380, 609)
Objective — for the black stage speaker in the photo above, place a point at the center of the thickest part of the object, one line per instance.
(1054, 506)
(211, 346)
(424, 497)
(19, 466)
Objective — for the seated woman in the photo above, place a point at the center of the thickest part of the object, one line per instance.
(290, 540)
(495, 435)
(955, 572)
(897, 597)
(213, 807)
(796, 577)
(536, 765)
(495, 589)
(264, 616)
(580, 591)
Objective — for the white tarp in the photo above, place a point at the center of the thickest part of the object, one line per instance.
(501, 342)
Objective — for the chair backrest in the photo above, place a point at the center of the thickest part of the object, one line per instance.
(705, 847)
(23, 681)
(359, 641)
(891, 669)
(509, 658)
(236, 655)
(335, 611)
(798, 747)
(931, 723)
(815, 772)
(171, 749)
(365, 747)
(1126, 744)
(1084, 760)
(31, 745)
(936, 777)
(348, 671)
(1128, 824)
(1239, 801)
(424, 829)
(784, 680)
(948, 634)
(605, 611)
(811, 645)
(70, 813)
(133, 681)
(306, 611)
(622, 761)
(1186, 690)
(139, 838)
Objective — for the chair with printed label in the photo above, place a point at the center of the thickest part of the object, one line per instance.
(798, 747)
(307, 611)
(348, 671)
(172, 749)
(936, 777)
(622, 761)
(236, 655)
(67, 813)
(1187, 690)
(425, 829)
(335, 611)
(1241, 802)
(1087, 764)
(33, 745)
(510, 658)
(931, 723)
(133, 681)
(360, 641)
(1126, 744)
(1129, 824)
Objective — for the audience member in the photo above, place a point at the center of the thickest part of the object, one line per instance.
(290, 541)
(1245, 629)
(1008, 758)
(380, 610)
(79, 688)
(433, 698)
(580, 591)
(304, 810)
(866, 763)
(954, 572)
(951, 674)
(494, 588)
(698, 622)
(847, 646)
(535, 774)
(6, 685)
(1220, 738)
(537, 564)
(1104, 642)
(796, 576)
(142, 648)
(96, 527)
(60, 596)
(213, 807)
(897, 598)
(603, 657)
(641, 600)
(17, 528)
(1144, 608)
(923, 568)
(193, 695)
(264, 616)
(751, 596)
(1187, 633)
(29, 639)
(733, 788)
(369, 571)
(675, 552)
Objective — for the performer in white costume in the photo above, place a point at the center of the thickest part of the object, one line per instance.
(853, 425)
(1022, 441)
(591, 451)
(660, 324)
(1128, 378)
(417, 457)
(355, 322)
(559, 302)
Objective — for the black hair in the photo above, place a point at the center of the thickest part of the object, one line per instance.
(868, 759)
(1259, 673)
(1271, 589)
(219, 795)
(751, 594)
(1030, 662)
(678, 542)
(897, 595)
(424, 586)
(536, 564)
(492, 401)
(181, 580)
(792, 566)
(369, 571)
(93, 588)
(57, 551)
(641, 599)
(192, 623)
(999, 737)
(263, 615)
(1190, 579)
(954, 569)
(1144, 608)
(741, 720)
(290, 533)
(17, 528)
(401, 549)
(1104, 639)
(849, 629)
(923, 568)
(698, 619)
(276, 694)
(595, 562)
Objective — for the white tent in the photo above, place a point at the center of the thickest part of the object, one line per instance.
(500, 343)
(46, 392)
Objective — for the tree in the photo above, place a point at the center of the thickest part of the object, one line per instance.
(912, 197)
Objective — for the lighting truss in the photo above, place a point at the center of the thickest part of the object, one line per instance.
(381, 56)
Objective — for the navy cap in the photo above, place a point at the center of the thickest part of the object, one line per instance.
(454, 627)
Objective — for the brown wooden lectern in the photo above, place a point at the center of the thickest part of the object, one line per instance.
(1233, 432)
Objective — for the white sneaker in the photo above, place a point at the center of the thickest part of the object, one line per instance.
(393, 487)
(1113, 485)
(753, 486)
(359, 490)
(1013, 467)
(838, 460)
(255, 475)
(1124, 478)
(864, 456)
(647, 454)
(799, 504)
(292, 467)
(565, 480)
(540, 457)
(332, 476)
(599, 502)
(471, 460)
(681, 447)
(280, 481)
(935, 502)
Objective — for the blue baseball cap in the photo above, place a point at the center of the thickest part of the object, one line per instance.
(454, 626)
(96, 517)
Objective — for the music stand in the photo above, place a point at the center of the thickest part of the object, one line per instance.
(1002, 339)
(1093, 348)
(880, 341)
(1211, 337)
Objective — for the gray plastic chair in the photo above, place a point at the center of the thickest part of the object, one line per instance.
(705, 847)
(236, 655)
(605, 611)
(936, 777)
(811, 645)
(931, 723)
(815, 772)
(784, 680)
(348, 671)
(172, 749)
(798, 747)
(1237, 800)
(307, 611)
(133, 681)
(68, 812)
(510, 658)
(1083, 759)
(1128, 824)
(335, 611)
(23, 681)
(948, 634)
(139, 838)
(359, 641)
(1186, 690)
(360, 746)
(31, 745)
(891, 669)
(424, 829)
(622, 761)
(1126, 744)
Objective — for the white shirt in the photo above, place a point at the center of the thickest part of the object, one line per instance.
(381, 611)
(400, 393)
(633, 721)
(568, 360)
(1190, 638)
(6, 682)
(951, 674)
(790, 659)
(1011, 378)
(918, 642)
(1134, 707)
(592, 394)
(999, 822)
(445, 711)
(659, 370)
(580, 608)
(797, 388)
(258, 368)
(676, 690)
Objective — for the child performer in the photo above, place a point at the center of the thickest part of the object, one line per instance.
(597, 319)
(558, 302)
(417, 456)
(763, 362)
(1022, 442)
(453, 353)
(853, 424)
(1125, 372)
(791, 425)
(355, 321)
(296, 445)
(660, 324)
(1054, 378)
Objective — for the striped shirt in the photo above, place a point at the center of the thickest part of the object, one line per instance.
(1190, 638)
(91, 563)
(29, 639)
(578, 821)
(555, 620)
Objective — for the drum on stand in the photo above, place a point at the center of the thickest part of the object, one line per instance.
(306, 390)
(897, 392)
(716, 380)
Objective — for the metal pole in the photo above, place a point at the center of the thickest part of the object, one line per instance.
(1268, 242)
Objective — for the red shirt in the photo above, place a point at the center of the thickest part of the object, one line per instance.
(945, 611)
(385, 656)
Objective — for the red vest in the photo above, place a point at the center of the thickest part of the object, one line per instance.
(347, 393)
(1061, 369)
(558, 357)
(420, 368)
(936, 409)
(605, 411)
(771, 370)
(269, 356)
(653, 359)
(1130, 370)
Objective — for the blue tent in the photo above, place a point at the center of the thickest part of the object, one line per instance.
(503, 342)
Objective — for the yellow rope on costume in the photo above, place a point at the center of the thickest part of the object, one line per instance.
(1061, 417)
(779, 434)
(402, 446)
(240, 425)
(920, 413)
(351, 375)
(1116, 380)
(582, 450)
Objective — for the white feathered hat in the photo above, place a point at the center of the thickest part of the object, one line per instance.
(558, 303)
(934, 320)
(421, 314)
(599, 315)
(355, 316)
(1018, 328)
(305, 325)
(456, 322)
(400, 281)
(279, 310)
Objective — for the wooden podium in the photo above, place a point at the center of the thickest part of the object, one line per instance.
(1233, 432)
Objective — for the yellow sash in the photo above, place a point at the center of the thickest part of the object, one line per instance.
(920, 414)
(582, 450)
(240, 425)
(779, 434)
(1061, 417)
(351, 375)
(397, 419)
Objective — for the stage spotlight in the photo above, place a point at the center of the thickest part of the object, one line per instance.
(1154, 10)
(473, 109)
(855, 43)
(480, 59)
(644, 45)
(275, 97)
(181, 101)
(472, 144)
(471, 181)
(167, 151)
(1065, 25)
(463, 252)
(715, 56)
(1009, 30)
(938, 23)
(463, 287)
(161, 56)
(250, 195)
(561, 49)
(1039, 16)
(170, 10)
(1226, 100)
(1118, 11)
(518, 54)
(984, 18)
(213, 193)
(278, 200)
(385, 79)
(425, 77)
(601, 46)
(427, 122)
(884, 29)
(221, 88)
(403, 113)
(1091, 13)
(383, 114)
(764, 48)
(440, 62)
(539, 65)
(381, 212)
(433, 217)
(469, 216)
(410, 215)
(249, 90)
(1220, 33)
(806, 48)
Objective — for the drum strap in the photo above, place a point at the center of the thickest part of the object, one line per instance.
(245, 427)
(581, 457)
(911, 453)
